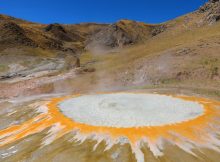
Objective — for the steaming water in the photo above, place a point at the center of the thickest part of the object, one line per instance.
(129, 110)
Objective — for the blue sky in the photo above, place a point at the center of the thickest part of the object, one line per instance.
(101, 11)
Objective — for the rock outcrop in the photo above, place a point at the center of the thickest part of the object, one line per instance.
(58, 31)
(211, 11)
(122, 33)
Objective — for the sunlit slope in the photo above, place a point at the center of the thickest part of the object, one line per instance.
(178, 55)
(183, 52)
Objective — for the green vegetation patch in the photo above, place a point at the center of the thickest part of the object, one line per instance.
(3, 68)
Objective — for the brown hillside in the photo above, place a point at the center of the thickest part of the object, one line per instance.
(124, 32)
(12, 34)
(179, 53)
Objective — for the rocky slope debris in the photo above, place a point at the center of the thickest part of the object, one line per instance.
(211, 10)
(122, 33)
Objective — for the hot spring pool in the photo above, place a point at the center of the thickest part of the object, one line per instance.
(125, 110)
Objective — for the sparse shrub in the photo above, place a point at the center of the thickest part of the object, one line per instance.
(214, 72)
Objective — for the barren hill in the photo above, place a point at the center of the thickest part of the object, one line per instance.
(180, 53)
(90, 35)
(124, 32)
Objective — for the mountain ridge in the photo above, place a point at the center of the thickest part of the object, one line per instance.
(180, 52)
(84, 36)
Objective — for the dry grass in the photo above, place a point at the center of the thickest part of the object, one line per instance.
(40, 52)
(3, 68)
(109, 66)
(181, 32)
(126, 57)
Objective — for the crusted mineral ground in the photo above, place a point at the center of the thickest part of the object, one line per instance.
(54, 130)
(129, 110)
(89, 64)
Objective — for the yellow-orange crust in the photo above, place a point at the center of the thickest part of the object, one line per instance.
(194, 130)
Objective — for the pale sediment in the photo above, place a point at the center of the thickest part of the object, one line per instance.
(129, 110)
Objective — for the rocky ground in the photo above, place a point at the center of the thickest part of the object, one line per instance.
(38, 62)
(178, 53)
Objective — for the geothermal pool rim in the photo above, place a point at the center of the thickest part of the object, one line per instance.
(193, 131)
(126, 110)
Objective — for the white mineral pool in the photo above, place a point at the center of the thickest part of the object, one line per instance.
(126, 110)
